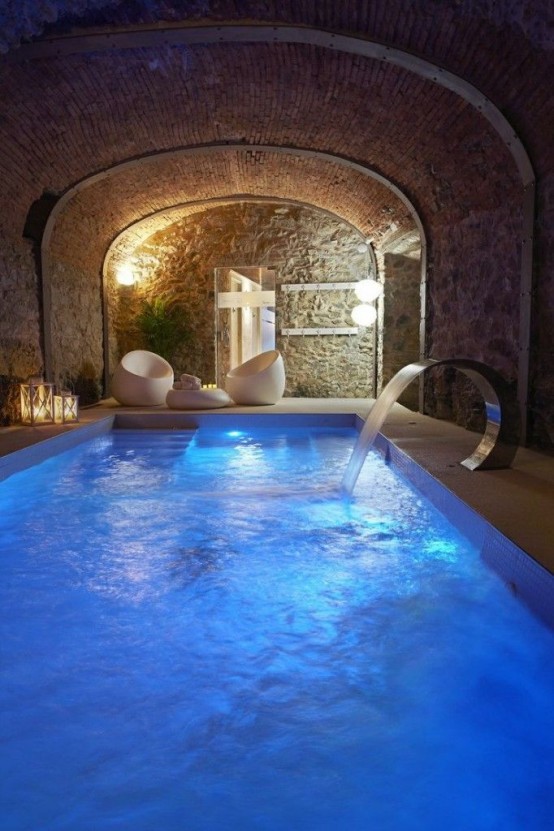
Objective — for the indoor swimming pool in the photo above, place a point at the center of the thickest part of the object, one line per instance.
(199, 634)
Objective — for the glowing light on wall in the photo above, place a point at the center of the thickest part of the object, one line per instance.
(364, 314)
(125, 275)
(368, 290)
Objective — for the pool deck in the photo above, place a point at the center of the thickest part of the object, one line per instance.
(519, 502)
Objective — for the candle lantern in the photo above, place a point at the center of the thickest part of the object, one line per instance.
(37, 402)
(66, 407)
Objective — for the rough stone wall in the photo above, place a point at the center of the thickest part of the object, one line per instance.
(77, 328)
(303, 246)
(171, 267)
(473, 289)
(20, 328)
(325, 366)
(541, 414)
(20, 347)
(401, 318)
(473, 308)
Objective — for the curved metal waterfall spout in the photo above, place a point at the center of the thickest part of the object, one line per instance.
(499, 442)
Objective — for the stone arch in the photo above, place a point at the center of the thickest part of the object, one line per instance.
(75, 197)
(122, 247)
(301, 244)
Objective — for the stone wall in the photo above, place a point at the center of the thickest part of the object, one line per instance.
(20, 331)
(325, 366)
(541, 415)
(20, 318)
(472, 309)
(77, 343)
(401, 318)
(474, 288)
(303, 245)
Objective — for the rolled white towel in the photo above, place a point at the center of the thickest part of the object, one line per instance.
(190, 382)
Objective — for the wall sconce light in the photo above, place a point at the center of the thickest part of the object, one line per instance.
(368, 290)
(364, 314)
(66, 407)
(362, 247)
(125, 275)
(37, 402)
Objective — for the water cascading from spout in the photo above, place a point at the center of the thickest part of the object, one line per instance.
(499, 442)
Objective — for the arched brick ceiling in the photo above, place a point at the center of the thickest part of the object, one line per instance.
(524, 19)
(401, 238)
(504, 49)
(149, 186)
(66, 118)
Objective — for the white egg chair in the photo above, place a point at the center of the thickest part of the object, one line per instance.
(142, 379)
(261, 380)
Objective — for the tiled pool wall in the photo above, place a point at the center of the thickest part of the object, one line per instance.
(525, 577)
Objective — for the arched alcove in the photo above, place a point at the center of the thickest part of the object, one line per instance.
(304, 245)
(355, 194)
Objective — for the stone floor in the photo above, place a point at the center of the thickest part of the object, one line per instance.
(519, 501)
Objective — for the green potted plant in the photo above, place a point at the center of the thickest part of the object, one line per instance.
(163, 327)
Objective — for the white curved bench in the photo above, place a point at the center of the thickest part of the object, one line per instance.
(197, 399)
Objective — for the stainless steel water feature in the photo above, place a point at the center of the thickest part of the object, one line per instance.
(500, 439)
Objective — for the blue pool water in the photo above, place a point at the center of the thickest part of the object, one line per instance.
(199, 635)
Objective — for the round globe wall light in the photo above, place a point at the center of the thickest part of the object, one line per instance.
(364, 314)
(362, 247)
(368, 290)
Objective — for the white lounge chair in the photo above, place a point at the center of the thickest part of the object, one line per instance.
(261, 380)
(142, 379)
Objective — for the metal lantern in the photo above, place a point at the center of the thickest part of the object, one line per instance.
(37, 402)
(66, 407)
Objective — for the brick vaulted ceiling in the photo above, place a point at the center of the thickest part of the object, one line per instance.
(136, 106)
(69, 116)
(214, 173)
(87, 114)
